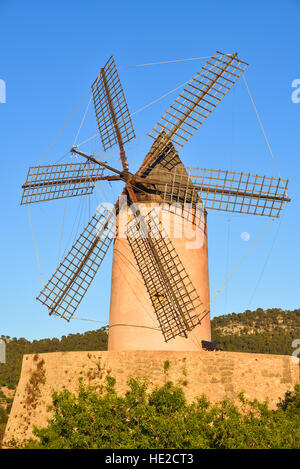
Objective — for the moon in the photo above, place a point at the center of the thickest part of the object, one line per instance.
(245, 236)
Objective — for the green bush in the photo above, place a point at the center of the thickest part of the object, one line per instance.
(3, 416)
(162, 419)
(3, 420)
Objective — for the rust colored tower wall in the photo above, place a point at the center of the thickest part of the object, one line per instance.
(133, 324)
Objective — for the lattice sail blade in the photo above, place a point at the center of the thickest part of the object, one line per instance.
(66, 288)
(196, 102)
(199, 98)
(174, 299)
(229, 191)
(112, 114)
(59, 181)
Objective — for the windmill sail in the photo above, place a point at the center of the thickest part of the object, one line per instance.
(67, 286)
(192, 107)
(175, 301)
(112, 114)
(59, 181)
(229, 191)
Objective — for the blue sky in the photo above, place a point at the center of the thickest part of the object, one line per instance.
(50, 54)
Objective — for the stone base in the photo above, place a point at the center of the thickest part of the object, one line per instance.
(215, 374)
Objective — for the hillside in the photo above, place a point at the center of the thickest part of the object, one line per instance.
(259, 331)
(270, 331)
(16, 348)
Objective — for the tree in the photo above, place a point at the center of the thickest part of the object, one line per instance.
(162, 419)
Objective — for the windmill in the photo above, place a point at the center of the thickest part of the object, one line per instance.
(167, 279)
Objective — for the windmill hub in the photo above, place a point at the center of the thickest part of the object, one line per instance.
(128, 177)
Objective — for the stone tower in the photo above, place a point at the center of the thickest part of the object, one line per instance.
(133, 323)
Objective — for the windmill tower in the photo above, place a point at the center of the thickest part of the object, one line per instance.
(160, 287)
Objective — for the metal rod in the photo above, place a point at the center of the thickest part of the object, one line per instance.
(71, 181)
(91, 158)
(129, 177)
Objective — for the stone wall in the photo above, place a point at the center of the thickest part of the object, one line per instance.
(216, 374)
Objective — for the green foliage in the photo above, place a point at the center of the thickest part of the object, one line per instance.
(271, 331)
(4, 412)
(162, 419)
(291, 403)
(16, 348)
(2, 430)
(3, 416)
(166, 365)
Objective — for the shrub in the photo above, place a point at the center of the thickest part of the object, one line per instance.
(162, 419)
